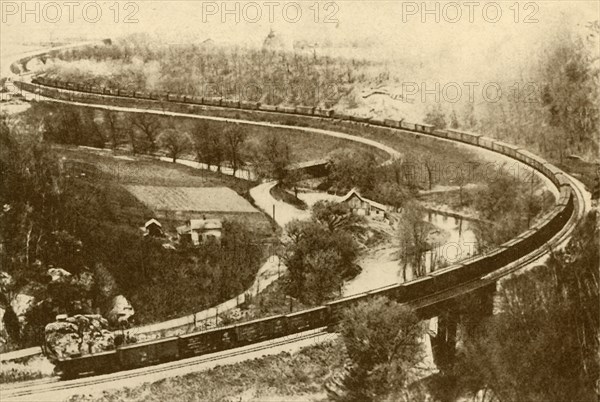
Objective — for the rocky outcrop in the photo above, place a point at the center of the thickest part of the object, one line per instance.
(3, 334)
(59, 275)
(6, 282)
(77, 336)
(21, 304)
(121, 312)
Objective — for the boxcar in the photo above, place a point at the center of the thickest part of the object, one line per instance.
(552, 172)
(249, 105)
(97, 363)
(209, 341)
(532, 159)
(562, 180)
(515, 245)
(390, 291)
(486, 142)
(454, 135)
(337, 306)
(428, 128)
(148, 353)
(498, 258)
(323, 112)
(416, 288)
(565, 196)
(470, 138)
(307, 110)
(376, 122)
(360, 119)
(230, 103)
(306, 319)
(440, 133)
(268, 108)
(448, 277)
(408, 126)
(259, 330)
(392, 123)
(212, 101)
(341, 116)
(528, 241)
(500, 146)
(194, 99)
(420, 127)
(286, 109)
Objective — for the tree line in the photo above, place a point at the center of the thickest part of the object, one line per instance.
(213, 144)
(259, 75)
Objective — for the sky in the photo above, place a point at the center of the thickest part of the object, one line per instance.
(395, 23)
(461, 37)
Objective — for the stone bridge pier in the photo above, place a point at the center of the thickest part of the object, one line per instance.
(456, 320)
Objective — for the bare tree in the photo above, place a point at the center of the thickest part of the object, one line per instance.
(209, 145)
(113, 128)
(149, 125)
(176, 142)
(235, 137)
(412, 234)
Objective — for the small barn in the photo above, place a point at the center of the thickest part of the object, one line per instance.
(363, 206)
(153, 228)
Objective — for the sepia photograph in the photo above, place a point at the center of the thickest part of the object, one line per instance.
(300, 201)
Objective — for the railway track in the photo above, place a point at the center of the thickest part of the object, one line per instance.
(28, 389)
(36, 388)
(51, 385)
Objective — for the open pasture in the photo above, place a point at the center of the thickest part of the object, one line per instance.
(139, 170)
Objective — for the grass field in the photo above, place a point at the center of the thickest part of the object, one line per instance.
(140, 170)
(199, 199)
(417, 148)
(120, 172)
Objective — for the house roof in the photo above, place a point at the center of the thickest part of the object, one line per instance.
(152, 221)
(205, 224)
(200, 224)
(355, 192)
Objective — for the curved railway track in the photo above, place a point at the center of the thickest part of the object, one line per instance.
(39, 387)
(25, 390)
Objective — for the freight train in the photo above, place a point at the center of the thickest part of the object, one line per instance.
(195, 344)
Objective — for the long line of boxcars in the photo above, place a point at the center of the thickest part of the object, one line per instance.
(168, 349)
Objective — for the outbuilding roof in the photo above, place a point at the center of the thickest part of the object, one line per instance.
(355, 192)
(152, 221)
